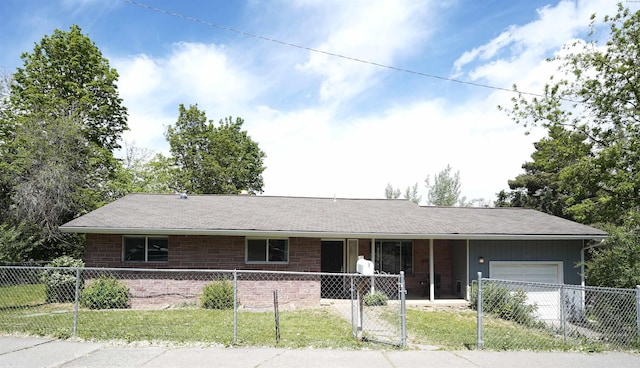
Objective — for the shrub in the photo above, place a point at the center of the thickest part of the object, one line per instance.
(105, 293)
(376, 298)
(60, 285)
(503, 303)
(217, 295)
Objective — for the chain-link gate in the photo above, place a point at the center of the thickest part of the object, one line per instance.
(550, 316)
(218, 306)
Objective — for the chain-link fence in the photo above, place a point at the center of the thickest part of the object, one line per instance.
(539, 316)
(214, 306)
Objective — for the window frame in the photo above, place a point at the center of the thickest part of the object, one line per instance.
(266, 250)
(378, 255)
(146, 248)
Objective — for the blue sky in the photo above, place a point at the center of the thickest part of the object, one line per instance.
(329, 126)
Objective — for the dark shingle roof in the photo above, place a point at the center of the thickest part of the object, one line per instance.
(238, 214)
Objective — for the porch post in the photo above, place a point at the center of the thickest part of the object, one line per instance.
(373, 259)
(432, 288)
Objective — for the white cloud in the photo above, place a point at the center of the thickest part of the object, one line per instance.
(191, 73)
(309, 152)
(373, 31)
(502, 60)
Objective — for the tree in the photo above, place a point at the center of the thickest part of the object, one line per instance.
(5, 136)
(14, 247)
(57, 134)
(411, 193)
(391, 193)
(616, 262)
(6, 79)
(445, 190)
(212, 159)
(596, 98)
(145, 172)
(67, 76)
(541, 186)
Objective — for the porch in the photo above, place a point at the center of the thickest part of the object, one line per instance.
(445, 261)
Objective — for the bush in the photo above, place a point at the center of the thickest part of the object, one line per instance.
(105, 293)
(374, 299)
(217, 295)
(60, 285)
(503, 303)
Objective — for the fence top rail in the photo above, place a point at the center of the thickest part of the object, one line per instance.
(557, 286)
(200, 270)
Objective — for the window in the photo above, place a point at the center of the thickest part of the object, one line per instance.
(267, 251)
(393, 256)
(145, 249)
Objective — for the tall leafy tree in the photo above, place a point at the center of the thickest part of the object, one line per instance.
(616, 262)
(391, 193)
(542, 187)
(411, 193)
(445, 190)
(214, 159)
(595, 106)
(61, 123)
(596, 97)
(147, 174)
(66, 76)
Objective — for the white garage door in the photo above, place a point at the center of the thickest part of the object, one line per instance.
(547, 300)
(547, 272)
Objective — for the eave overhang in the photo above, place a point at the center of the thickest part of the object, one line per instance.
(321, 234)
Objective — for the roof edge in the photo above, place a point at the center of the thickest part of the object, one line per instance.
(320, 234)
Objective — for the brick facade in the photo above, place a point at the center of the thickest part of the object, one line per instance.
(202, 252)
(228, 253)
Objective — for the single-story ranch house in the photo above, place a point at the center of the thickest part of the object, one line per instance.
(440, 249)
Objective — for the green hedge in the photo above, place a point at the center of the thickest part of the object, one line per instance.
(217, 295)
(377, 298)
(105, 293)
(60, 285)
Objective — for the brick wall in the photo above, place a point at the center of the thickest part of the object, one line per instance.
(254, 291)
(228, 252)
(202, 252)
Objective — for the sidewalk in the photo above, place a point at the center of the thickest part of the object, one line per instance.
(40, 352)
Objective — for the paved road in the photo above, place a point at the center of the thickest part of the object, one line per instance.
(26, 352)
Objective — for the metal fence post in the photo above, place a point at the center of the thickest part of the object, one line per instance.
(403, 312)
(638, 310)
(76, 302)
(563, 314)
(235, 306)
(480, 342)
(354, 324)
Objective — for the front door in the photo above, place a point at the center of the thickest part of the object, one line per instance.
(332, 261)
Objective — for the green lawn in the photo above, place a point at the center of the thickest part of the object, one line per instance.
(23, 310)
(457, 330)
(21, 296)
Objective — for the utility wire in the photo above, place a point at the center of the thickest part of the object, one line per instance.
(195, 20)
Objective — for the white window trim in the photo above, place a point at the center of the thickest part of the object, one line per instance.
(146, 247)
(246, 251)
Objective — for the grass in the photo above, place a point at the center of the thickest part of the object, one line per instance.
(23, 310)
(21, 295)
(457, 330)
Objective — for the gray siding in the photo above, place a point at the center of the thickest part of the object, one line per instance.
(459, 266)
(567, 251)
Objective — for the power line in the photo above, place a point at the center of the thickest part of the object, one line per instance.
(427, 75)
